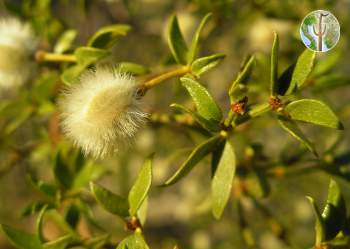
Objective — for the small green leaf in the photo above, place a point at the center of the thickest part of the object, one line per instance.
(274, 64)
(142, 211)
(135, 241)
(62, 172)
(97, 242)
(206, 124)
(195, 157)
(39, 223)
(107, 36)
(20, 239)
(60, 243)
(90, 172)
(222, 180)
(319, 226)
(65, 41)
(133, 68)
(205, 103)
(71, 74)
(313, 111)
(196, 38)
(176, 42)
(294, 130)
(302, 70)
(87, 55)
(334, 213)
(110, 201)
(204, 64)
(141, 186)
(48, 189)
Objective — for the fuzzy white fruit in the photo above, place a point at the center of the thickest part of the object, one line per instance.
(17, 44)
(101, 113)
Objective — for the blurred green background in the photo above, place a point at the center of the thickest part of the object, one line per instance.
(181, 214)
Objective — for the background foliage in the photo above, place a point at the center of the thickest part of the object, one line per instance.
(49, 189)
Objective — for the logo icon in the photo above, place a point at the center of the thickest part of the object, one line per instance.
(320, 31)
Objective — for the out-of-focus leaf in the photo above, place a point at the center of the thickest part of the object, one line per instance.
(22, 117)
(141, 186)
(90, 172)
(330, 82)
(176, 42)
(97, 242)
(64, 43)
(62, 172)
(257, 184)
(205, 103)
(48, 189)
(111, 202)
(206, 124)
(39, 223)
(20, 239)
(60, 243)
(108, 35)
(87, 55)
(72, 215)
(71, 74)
(313, 111)
(135, 241)
(196, 38)
(294, 130)
(274, 65)
(204, 64)
(34, 208)
(133, 68)
(195, 157)
(222, 180)
(328, 62)
(334, 213)
(319, 226)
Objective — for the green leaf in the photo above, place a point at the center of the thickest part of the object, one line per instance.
(48, 189)
(20, 239)
(313, 111)
(319, 226)
(133, 68)
(141, 186)
(195, 157)
(135, 241)
(294, 130)
(176, 42)
(142, 211)
(34, 208)
(334, 213)
(72, 215)
(71, 74)
(90, 172)
(65, 41)
(302, 70)
(87, 55)
(204, 64)
(62, 172)
(221, 185)
(216, 156)
(60, 243)
(196, 38)
(20, 119)
(97, 242)
(109, 201)
(274, 64)
(39, 223)
(206, 124)
(205, 103)
(108, 35)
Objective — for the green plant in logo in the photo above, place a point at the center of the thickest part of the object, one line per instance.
(320, 31)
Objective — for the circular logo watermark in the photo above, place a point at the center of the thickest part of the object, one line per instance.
(320, 31)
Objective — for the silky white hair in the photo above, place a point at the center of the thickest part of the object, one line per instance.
(17, 43)
(101, 113)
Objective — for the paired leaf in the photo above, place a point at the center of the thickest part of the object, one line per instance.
(205, 103)
(141, 187)
(176, 42)
(111, 202)
(20, 239)
(196, 38)
(87, 55)
(195, 157)
(294, 130)
(274, 64)
(204, 64)
(313, 111)
(107, 36)
(222, 180)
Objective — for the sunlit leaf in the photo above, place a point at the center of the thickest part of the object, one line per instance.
(176, 41)
(108, 35)
(87, 55)
(204, 64)
(133, 68)
(64, 43)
